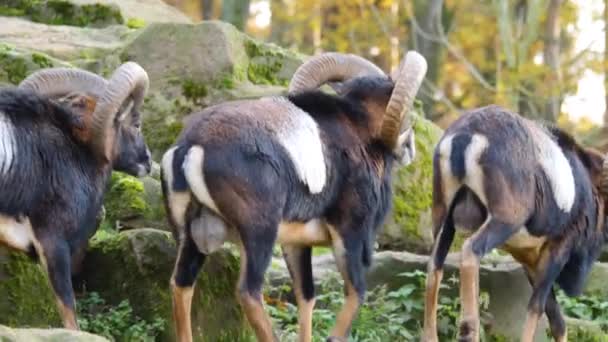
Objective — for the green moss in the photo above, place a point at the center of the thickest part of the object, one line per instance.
(27, 299)
(136, 23)
(163, 122)
(146, 258)
(62, 12)
(413, 193)
(15, 67)
(266, 63)
(193, 90)
(266, 73)
(11, 12)
(41, 60)
(125, 198)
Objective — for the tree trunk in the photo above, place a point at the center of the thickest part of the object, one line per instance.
(551, 59)
(428, 16)
(236, 12)
(606, 60)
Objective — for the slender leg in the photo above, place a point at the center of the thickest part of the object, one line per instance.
(433, 280)
(187, 266)
(543, 299)
(55, 257)
(557, 323)
(349, 263)
(490, 235)
(556, 319)
(256, 253)
(298, 261)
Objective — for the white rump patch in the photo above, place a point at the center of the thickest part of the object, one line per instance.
(299, 134)
(18, 235)
(178, 201)
(449, 183)
(474, 173)
(193, 170)
(7, 144)
(556, 168)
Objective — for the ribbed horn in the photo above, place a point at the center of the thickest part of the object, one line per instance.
(60, 81)
(407, 83)
(331, 66)
(604, 180)
(129, 80)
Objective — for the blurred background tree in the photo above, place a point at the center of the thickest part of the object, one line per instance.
(522, 54)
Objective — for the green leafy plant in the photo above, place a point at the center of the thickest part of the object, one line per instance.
(386, 314)
(117, 323)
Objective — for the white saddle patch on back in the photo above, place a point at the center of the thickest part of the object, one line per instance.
(556, 168)
(7, 144)
(299, 134)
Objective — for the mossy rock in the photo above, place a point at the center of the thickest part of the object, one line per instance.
(62, 12)
(46, 335)
(27, 299)
(16, 64)
(132, 202)
(409, 225)
(137, 265)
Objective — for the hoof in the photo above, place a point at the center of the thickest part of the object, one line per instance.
(429, 339)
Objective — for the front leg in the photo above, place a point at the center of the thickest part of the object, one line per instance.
(299, 264)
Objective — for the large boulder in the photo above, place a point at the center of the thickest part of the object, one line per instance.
(137, 265)
(195, 66)
(409, 225)
(64, 42)
(16, 63)
(46, 335)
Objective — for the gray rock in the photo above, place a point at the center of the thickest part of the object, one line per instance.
(64, 42)
(46, 335)
(151, 11)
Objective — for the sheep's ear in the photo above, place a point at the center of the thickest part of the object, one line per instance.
(79, 112)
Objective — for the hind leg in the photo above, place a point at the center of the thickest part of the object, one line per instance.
(256, 253)
(187, 266)
(434, 276)
(347, 253)
(298, 261)
(490, 235)
(546, 271)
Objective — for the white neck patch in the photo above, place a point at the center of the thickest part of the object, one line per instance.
(556, 168)
(299, 134)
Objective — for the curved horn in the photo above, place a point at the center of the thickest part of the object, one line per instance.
(60, 81)
(129, 80)
(604, 180)
(408, 82)
(331, 66)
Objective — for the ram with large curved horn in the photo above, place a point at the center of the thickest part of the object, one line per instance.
(54, 166)
(508, 182)
(302, 170)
